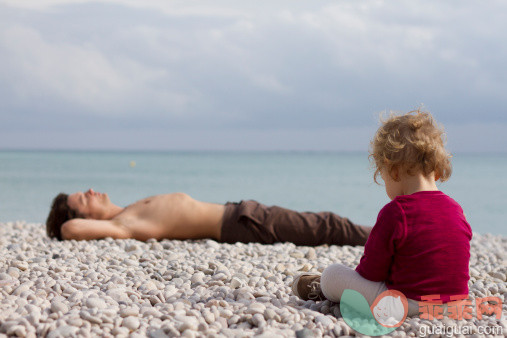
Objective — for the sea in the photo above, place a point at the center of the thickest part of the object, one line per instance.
(304, 181)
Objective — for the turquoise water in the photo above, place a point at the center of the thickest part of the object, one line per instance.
(338, 182)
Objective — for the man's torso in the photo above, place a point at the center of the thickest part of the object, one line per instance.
(172, 216)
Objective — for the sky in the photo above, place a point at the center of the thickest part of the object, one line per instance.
(257, 75)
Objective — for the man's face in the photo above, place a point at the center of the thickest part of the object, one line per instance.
(89, 204)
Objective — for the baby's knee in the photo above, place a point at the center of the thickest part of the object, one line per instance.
(334, 271)
(334, 280)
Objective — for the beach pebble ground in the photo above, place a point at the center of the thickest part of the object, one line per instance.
(127, 288)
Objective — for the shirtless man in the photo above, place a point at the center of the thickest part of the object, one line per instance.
(91, 215)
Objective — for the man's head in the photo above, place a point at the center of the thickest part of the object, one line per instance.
(59, 213)
(89, 204)
(411, 143)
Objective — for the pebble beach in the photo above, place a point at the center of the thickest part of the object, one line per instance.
(127, 288)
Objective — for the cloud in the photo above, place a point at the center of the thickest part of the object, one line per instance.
(222, 9)
(226, 65)
(79, 74)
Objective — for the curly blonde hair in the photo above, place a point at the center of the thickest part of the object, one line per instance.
(412, 142)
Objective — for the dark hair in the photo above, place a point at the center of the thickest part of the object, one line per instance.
(59, 213)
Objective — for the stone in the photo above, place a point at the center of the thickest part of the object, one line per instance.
(493, 288)
(75, 321)
(63, 331)
(220, 276)
(233, 320)
(4, 277)
(212, 244)
(96, 303)
(188, 334)
(269, 314)
(13, 272)
(59, 306)
(151, 311)
(305, 333)
(297, 254)
(17, 330)
(306, 267)
(225, 313)
(34, 318)
(129, 311)
(214, 284)
(89, 317)
(187, 323)
(118, 295)
(499, 275)
(158, 333)
(120, 331)
(236, 283)
(254, 308)
(474, 272)
(21, 265)
(311, 254)
(197, 277)
(132, 323)
(324, 320)
(22, 288)
(280, 267)
(337, 330)
(258, 320)
(345, 329)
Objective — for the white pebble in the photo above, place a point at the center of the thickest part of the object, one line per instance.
(187, 323)
(256, 308)
(22, 288)
(63, 331)
(201, 287)
(197, 277)
(236, 283)
(324, 320)
(132, 323)
(17, 330)
(96, 303)
(499, 275)
(118, 295)
(311, 254)
(297, 254)
(59, 306)
(258, 320)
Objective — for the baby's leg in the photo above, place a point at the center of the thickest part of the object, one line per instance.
(337, 277)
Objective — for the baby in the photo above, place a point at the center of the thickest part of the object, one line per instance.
(420, 244)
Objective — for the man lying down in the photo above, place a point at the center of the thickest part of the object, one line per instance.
(91, 215)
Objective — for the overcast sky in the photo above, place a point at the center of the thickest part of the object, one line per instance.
(257, 75)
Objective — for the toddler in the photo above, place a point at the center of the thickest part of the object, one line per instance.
(420, 244)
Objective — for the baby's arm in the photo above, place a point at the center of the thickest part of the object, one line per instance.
(379, 250)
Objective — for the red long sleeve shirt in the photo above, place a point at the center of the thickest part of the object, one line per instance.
(420, 246)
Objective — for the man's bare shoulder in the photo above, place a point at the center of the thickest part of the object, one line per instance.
(86, 229)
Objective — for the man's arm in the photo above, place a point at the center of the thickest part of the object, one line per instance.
(85, 229)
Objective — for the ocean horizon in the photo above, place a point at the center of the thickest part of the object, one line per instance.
(340, 182)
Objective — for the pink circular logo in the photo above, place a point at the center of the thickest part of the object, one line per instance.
(390, 308)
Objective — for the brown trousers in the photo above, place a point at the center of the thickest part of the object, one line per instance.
(250, 221)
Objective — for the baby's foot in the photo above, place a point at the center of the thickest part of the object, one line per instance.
(307, 287)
